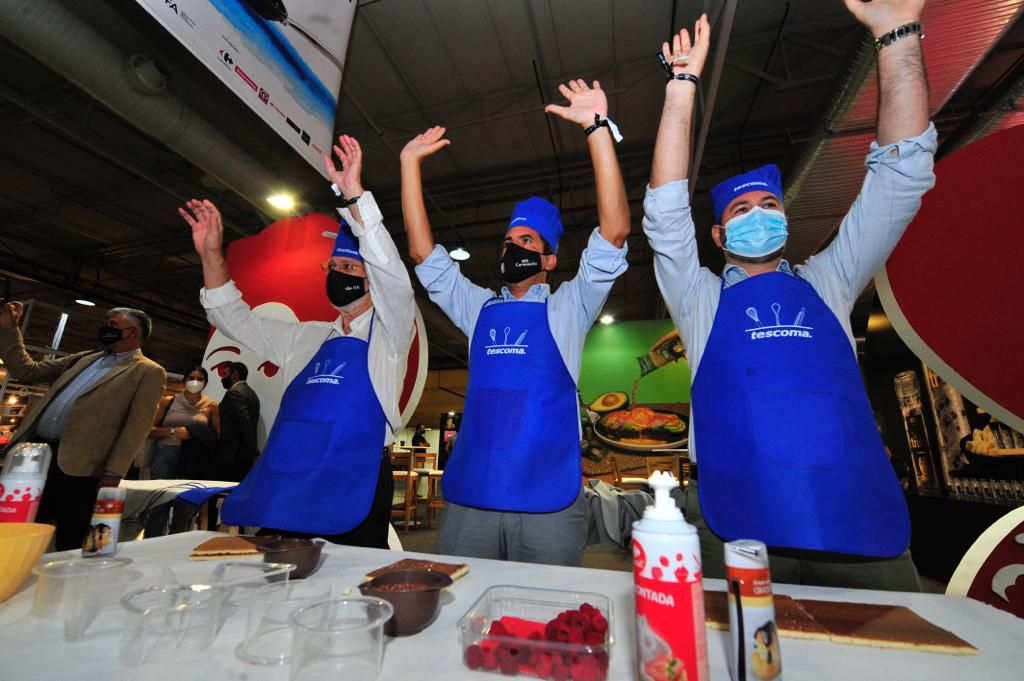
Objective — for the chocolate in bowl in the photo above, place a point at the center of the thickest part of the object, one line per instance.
(304, 553)
(414, 594)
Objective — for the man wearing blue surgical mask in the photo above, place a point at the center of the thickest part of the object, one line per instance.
(782, 433)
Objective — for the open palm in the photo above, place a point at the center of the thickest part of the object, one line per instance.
(584, 102)
(349, 177)
(207, 226)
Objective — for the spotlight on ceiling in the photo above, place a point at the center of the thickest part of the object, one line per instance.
(83, 301)
(459, 253)
(606, 319)
(281, 201)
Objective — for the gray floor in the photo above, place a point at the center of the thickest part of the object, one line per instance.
(600, 557)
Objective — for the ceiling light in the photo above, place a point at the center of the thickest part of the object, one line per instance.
(606, 319)
(83, 301)
(451, 413)
(459, 253)
(281, 201)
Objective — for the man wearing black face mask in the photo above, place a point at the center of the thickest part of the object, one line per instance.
(323, 471)
(237, 448)
(95, 416)
(512, 483)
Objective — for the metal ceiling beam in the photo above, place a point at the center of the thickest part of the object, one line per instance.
(722, 42)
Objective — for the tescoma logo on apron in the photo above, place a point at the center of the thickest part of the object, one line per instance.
(504, 347)
(778, 330)
(326, 374)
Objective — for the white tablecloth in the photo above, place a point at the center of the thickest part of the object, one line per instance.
(34, 650)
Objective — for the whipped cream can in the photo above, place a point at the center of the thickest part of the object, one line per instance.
(668, 584)
(755, 654)
(105, 526)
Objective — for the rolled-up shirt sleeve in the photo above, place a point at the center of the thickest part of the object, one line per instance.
(898, 175)
(447, 287)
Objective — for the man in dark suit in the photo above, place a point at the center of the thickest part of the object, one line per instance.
(239, 416)
(95, 416)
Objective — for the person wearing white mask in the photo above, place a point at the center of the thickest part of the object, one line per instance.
(174, 417)
(782, 434)
(185, 428)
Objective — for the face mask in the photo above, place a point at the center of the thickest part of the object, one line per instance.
(519, 264)
(344, 289)
(110, 334)
(756, 233)
(226, 382)
(194, 386)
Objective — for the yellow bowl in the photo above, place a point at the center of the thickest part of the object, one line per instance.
(21, 544)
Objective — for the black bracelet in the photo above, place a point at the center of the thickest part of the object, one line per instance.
(898, 33)
(598, 123)
(676, 76)
(340, 201)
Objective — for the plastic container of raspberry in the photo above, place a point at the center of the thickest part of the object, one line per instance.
(539, 633)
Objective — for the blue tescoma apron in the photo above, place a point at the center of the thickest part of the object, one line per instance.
(788, 448)
(318, 472)
(519, 445)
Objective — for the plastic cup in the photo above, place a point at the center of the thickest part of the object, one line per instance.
(268, 636)
(61, 582)
(340, 638)
(102, 591)
(166, 623)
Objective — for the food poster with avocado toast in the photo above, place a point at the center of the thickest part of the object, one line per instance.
(635, 393)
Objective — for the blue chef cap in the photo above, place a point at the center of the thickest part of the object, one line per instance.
(346, 244)
(540, 215)
(766, 178)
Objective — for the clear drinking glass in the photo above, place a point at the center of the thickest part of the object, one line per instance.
(268, 636)
(339, 638)
(167, 623)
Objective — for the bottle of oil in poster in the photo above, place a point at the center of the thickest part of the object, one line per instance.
(667, 579)
(667, 349)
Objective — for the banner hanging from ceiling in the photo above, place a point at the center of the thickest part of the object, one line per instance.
(285, 62)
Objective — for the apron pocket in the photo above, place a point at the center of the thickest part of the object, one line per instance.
(796, 428)
(297, 446)
(498, 417)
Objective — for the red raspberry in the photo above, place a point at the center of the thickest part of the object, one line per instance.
(586, 669)
(576, 636)
(490, 659)
(599, 623)
(559, 672)
(592, 638)
(551, 630)
(474, 657)
(587, 609)
(535, 636)
(510, 666)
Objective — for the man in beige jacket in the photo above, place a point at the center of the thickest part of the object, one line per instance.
(95, 417)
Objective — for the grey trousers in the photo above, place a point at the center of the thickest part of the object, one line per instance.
(814, 568)
(551, 538)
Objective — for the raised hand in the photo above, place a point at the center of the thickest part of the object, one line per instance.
(10, 315)
(349, 177)
(882, 16)
(689, 57)
(584, 102)
(207, 227)
(425, 144)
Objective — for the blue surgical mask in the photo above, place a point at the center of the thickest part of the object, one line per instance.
(756, 233)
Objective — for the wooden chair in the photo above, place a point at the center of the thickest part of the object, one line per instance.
(403, 502)
(435, 501)
(627, 482)
(661, 463)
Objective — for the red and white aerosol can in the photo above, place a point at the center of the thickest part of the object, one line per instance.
(755, 637)
(667, 578)
(22, 481)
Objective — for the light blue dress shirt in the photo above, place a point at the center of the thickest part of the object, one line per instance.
(53, 419)
(572, 309)
(897, 177)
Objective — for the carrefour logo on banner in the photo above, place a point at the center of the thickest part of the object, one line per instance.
(504, 347)
(778, 330)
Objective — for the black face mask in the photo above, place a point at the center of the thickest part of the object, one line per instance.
(518, 264)
(110, 334)
(343, 289)
(227, 382)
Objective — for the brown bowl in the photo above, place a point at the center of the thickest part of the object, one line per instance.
(414, 594)
(303, 553)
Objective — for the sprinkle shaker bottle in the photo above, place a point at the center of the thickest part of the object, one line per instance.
(671, 640)
(22, 481)
(755, 654)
